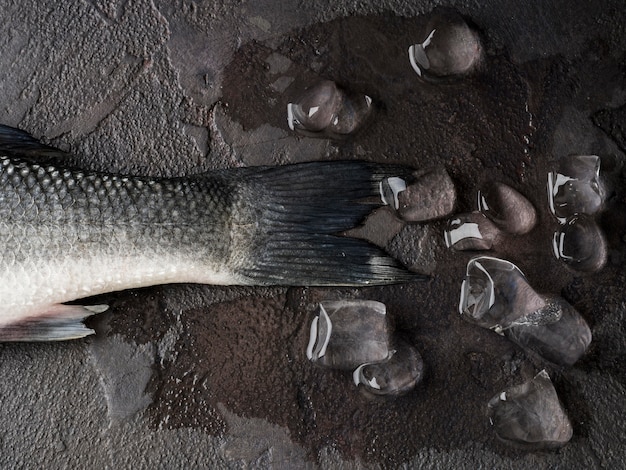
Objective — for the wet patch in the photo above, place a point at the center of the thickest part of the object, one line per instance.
(613, 122)
(500, 124)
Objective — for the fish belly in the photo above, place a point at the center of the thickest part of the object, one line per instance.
(30, 289)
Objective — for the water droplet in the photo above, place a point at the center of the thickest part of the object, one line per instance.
(348, 333)
(530, 415)
(449, 47)
(393, 377)
(575, 188)
(430, 196)
(556, 332)
(495, 293)
(507, 208)
(581, 244)
(325, 110)
(471, 231)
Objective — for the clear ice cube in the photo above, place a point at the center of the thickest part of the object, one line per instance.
(506, 208)
(348, 333)
(326, 110)
(470, 231)
(432, 196)
(575, 187)
(495, 293)
(580, 243)
(449, 47)
(556, 332)
(530, 415)
(393, 377)
(428, 195)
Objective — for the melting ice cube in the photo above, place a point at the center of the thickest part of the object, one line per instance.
(325, 110)
(506, 208)
(471, 231)
(495, 293)
(395, 376)
(557, 332)
(449, 47)
(530, 415)
(429, 195)
(575, 187)
(348, 333)
(426, 196)
(580, 243)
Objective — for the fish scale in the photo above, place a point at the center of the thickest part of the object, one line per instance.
(60, 226)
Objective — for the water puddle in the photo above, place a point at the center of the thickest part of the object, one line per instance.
(497, 125)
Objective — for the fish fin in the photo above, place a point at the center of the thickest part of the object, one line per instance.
(59, 322)
(18, 143)
(302, 212)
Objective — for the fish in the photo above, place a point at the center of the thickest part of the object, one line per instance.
(67, 233)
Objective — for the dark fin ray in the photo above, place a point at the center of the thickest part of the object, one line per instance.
(59, 323)
(303, 209)
(18, 143)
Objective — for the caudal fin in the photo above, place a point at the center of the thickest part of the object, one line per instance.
(302, 211)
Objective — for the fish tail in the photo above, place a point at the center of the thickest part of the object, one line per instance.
(57, 323)
(302, 211)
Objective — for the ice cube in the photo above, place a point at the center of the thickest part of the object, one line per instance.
(575, 187)
(530, 415)
(495, 293)
(557, 332)
(430, 196)
(348, 333)
(326, 110)
(470, 231)
(580, 243)
(506, 208)
(395, 376)
(448, 47)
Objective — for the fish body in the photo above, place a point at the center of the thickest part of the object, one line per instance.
(67, 234)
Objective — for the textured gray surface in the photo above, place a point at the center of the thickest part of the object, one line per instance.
(128, 86)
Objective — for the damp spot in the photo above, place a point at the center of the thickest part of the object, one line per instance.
(245, 356)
